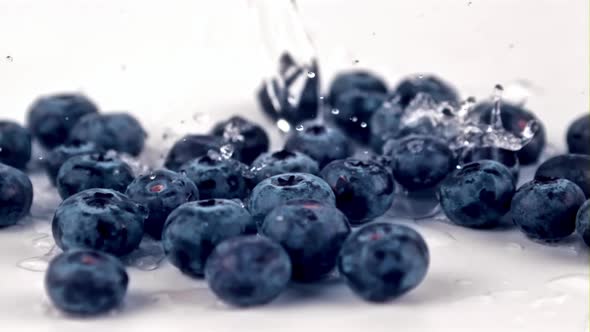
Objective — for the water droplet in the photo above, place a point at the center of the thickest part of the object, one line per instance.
(9, 58)
(226, 151)
(152, 176)
(355, 62)
(469, 3)
(354, 119)
(437, 238)
(0, 149)
(164, 136)
(310, 74)
(577, 282)
(476, 299)
(299, 127)
(335, 111)
(513, 246)
(283, 125)
(553, 300)
(182, 121)
(363, 125)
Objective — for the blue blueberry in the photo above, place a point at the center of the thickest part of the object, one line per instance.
(60, 154)
(583, 222)
(115, 131)
(515, 119)
(86, 282)
(282, 188)
(16, 195)
(321, 142)
(364, 189)
(92, 171)
(420, 162)
(248, 271)
(355, 80)
(574, 167)
(15, 144)
(478, 195)
(383, 261)
(578, 135)
(218, 177)
(283, 161)
(248, 138)
(438, 89)
(385, 124)
(51, 118)
(507, 158)
(352, 112)
(311, 232)
(161, 192)
(546, 209)
(99, 219)
(190, 147)
(194, 229)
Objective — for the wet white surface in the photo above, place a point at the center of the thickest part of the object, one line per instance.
(180, 65)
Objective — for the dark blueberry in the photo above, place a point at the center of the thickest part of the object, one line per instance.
(161, 192)
(574, 167)
(385, 124)
(282, 188)
(322, 143)
(383, 261)
(99, 219)
(438, 89)
(283, 161)
(352, 112)
(355, 80)
(515, 119)
(217, 177)
(190, 147)
(15, 144)
(478, 195)
(115, 131)
(546, 209)
(364, 189)
(248, 138)
(86, 282)
(248, 270)
(60, 154)
(16, 195)
(578, 135)
(583, 222)
(506, 157)
(420, 162)
(296, 98)
(311, 232)
(51, 118)
(194, 229)
(93, 171)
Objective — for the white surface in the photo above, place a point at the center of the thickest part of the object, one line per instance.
(197, 61)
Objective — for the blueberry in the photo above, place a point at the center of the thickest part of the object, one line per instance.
(420, 162)
(283, 161)
(364, 189)
(355, 80)
(16, 195)
(92, 171)
(51, 118)
(383, 261)
(574, 167)
(248, 138)
(194, 229)
(385, 124)
(86, 282)
(190, 147)
(321, 142)
(546, 209)
(282, 188)
(311, 232)
(578, 135)
(115, 131)
(583, 222)
(161, 192)
(99, 219)
(248, 270)
(506, 157)
(352, 112)
(515, 119)
(15, 144)
(438, 89)
(478, 195)
(217, 177)
(60, 154)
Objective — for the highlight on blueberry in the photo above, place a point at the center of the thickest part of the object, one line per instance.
(15, 144)
(16, 195)
(578, 135)
(507, 158)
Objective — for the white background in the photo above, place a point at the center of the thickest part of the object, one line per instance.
(179, 65)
